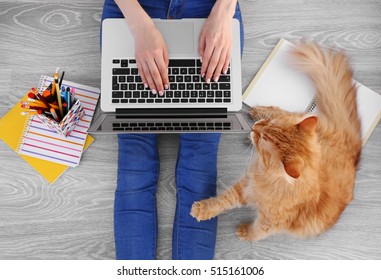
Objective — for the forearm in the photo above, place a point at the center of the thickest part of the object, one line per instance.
(224, 8)
(134, 14)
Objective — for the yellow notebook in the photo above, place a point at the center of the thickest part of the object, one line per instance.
(13, 128)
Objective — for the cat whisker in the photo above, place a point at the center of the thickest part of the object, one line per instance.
(249, 159)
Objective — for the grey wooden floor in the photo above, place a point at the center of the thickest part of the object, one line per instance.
(73, 219)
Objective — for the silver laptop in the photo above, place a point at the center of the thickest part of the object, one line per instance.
(189, 105)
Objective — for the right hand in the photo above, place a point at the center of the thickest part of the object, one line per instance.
(151, 56)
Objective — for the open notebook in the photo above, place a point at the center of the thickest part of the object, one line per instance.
(279, 84)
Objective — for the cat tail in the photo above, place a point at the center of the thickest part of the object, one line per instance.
(332, 77)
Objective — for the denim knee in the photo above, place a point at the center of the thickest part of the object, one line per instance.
(138, 162)
(196, 170)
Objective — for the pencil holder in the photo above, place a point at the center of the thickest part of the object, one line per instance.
(68, 123)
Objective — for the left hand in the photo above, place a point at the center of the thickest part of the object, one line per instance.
(215, 45)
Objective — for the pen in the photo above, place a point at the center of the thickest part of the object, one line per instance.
(58, 91)
(63, 73)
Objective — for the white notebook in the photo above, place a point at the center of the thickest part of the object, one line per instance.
(277, 83)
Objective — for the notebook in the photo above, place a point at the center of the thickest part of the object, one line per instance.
(33, 140)
(189, 104)
(278, 84)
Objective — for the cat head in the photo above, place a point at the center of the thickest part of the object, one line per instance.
(286, 139)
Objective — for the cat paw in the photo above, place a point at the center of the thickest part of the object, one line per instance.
(242, 232)
(200, 211)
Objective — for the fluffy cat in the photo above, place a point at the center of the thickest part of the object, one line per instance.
(303, 173)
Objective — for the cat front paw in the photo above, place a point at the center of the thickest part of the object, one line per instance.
(200, 210)
(242, 232)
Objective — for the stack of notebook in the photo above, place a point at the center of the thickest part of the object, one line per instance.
(44, 149)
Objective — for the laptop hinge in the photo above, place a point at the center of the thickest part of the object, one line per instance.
(172, 112)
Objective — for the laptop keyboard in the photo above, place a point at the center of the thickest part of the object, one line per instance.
(171, 126)
(185, 84)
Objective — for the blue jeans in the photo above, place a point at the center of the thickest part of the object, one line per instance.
(135, 216)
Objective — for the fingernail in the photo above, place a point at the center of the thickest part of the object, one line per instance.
(161, 93)
(202, 75)
(208, 81)
(216, 79)
(145, 86)
(201, 59)
(166, 86)
(154, 91)
(225, 71)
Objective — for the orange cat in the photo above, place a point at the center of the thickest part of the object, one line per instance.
(304, 172)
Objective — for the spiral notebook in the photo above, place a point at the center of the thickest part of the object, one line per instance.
(279, 84)
(46, 151)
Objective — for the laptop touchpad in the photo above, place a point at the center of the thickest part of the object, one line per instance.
(178, 37)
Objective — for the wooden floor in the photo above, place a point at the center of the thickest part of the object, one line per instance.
(73, 219)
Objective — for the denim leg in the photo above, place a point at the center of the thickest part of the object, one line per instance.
(196, 173)
(196, 169)
(135, 216)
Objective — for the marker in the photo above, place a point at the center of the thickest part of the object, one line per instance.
(72, 97)
(54, 114)
(67, 99)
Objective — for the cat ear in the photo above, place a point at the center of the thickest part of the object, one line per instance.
(308, 125)
(292, 168)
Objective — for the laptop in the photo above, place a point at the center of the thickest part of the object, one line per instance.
(189, 105)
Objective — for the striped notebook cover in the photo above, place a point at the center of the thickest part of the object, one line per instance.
(41, 142)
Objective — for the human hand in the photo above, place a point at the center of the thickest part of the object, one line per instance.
(215, 45)
(151, 56)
